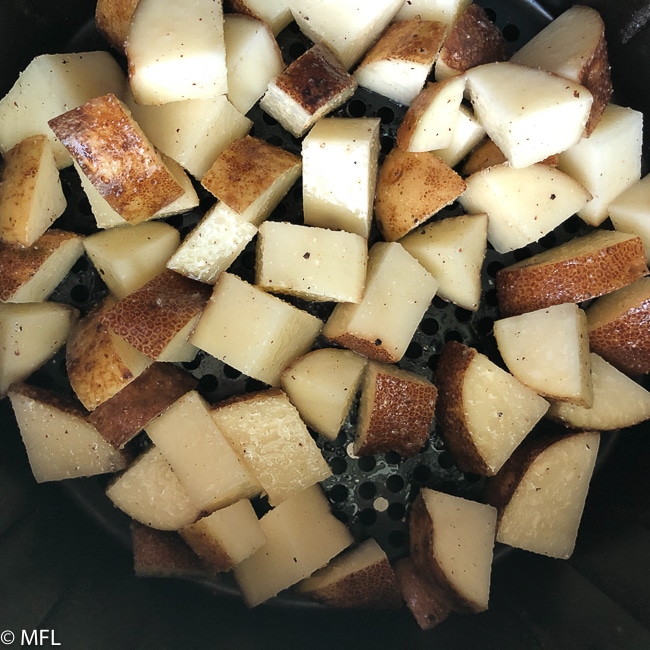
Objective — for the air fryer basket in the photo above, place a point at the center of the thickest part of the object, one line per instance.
(65, 563)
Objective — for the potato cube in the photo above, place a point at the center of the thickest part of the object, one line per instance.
(398, 293)
(31, 196)
(113, 19)
(266, 430)
(226, 537)
(276, 15)
(340, 158)
(308, 89)
(467, 133)
(445, 11)
(630, 212)
(311, 263)
(200, 455)
(253, 331)
(50, 85)
(302, 535)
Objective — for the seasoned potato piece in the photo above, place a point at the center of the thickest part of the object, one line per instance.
(467, 134)
(276, 14)
(113, 19)
(630, 212)
(445, 11)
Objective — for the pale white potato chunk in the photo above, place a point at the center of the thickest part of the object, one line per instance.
(398, 65)
(200, 455)
(213, 244)
(452, 544)
(253, 58)
(529, 113)
(608, 162)
(340, 158)
(266, 430)
(60, 442)
(50, 85)
(619, 401)
(347, 27)
(630, 212)
(151, 493)
(31, 196)
(311, 263)
(548, 350)
(540, 510)
(276, 14)
(176, 51)
(253, 331)
(452, 250)
(430, 121)
(322, 384)
(194, 131)
(445, 11)
(302, 535)
(30, 334)
(467, 133)
(129, 256)
(522, 204)
(226, 537)
(397, 294)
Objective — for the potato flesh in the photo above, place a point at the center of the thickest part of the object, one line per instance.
(199, 454)
(310, 262)
(276, 14)
(548, 351)
(467, 133)
(340, 157)
(544, 513)
(444, 11)
(630, 212)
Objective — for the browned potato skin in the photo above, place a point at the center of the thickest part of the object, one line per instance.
(411, 187)
(596, 78)
(245, 169)
(473, 40)
(208, 549)
(150, 317)
(113, 152)
(19, 264)
(113, 19)
(486, 154)
(125, 414)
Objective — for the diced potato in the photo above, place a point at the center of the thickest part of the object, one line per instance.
(398, 64)
(396, 411)
(31, 274)
(176, 52)
(150, 492)
(347, 28)
(340, 158)
(276, 14)
(483, 412)
(308, 89)
(585, 267)
(467, 133)
(608, 162)
(311, 263)
(60, 442)
(113, 19)
(574, 46)
(453, 250)
(30, 334)
(251, 177)
(253, 58)
(430, 121)
(548, 351)
(630, 212)
(540, 493)
(31, 196)
(129, 256)
(452, 542)
(411, 188)
(50, 85)
(157, 318)
(200, 455)
(253, 331)
(528, 112)
(361, 577)
(226, 537)
(618, 327)
(619, 401)
(266, 430)
(472, 41)
(445, 11)
(194, 131)
(398, 293)
(114, 153)
(302, 535)
(322, 384)
(212, 245)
